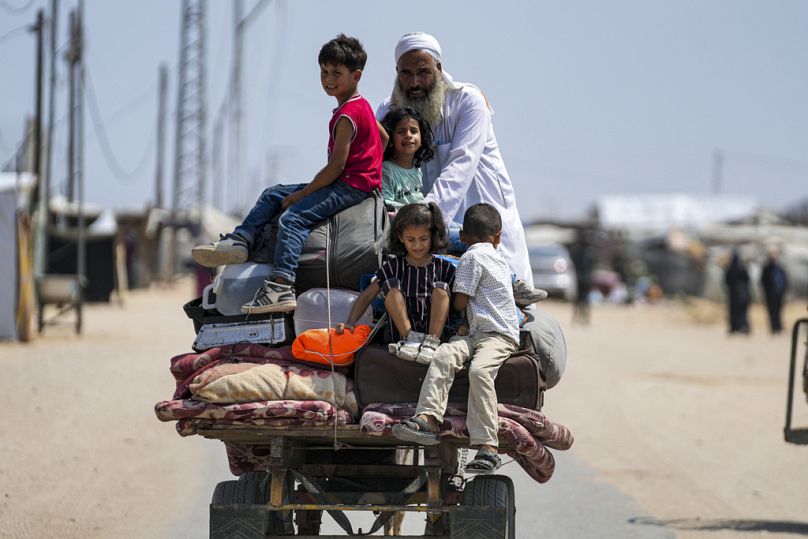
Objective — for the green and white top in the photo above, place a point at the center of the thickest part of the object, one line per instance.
(400, 185)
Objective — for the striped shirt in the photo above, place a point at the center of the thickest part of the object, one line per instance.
(416, 284)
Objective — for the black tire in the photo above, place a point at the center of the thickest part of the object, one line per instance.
(252, 489)
(236, 493)
(495, 490)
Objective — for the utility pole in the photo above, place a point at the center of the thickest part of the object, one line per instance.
(81, 259)
(217, 193)
(71, 57)
(236, 100)
(41, 262)
(718, 171)
(189, 158)
(161, 135)
(39, 28)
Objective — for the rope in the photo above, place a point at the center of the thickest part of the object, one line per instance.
(337, 445)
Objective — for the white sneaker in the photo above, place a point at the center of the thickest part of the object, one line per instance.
(524, 294)
(428, 349)
(228, 249)
(407, 349)
(272, 298)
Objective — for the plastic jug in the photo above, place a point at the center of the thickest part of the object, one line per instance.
(235, 286)
(312, 309)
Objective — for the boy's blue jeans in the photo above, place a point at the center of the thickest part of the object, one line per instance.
(296, 222)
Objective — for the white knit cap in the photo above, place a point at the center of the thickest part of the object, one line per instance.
(418, 41)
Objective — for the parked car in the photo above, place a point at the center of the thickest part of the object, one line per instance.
(553, 270)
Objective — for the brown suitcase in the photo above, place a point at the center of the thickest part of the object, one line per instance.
(380, 377)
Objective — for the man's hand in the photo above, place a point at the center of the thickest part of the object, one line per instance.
(292, 199)
(340, 328)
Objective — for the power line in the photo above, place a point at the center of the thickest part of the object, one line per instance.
(15, 10)
(106, 148)
(14, 31)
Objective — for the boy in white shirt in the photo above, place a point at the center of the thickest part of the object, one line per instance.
(483, 288)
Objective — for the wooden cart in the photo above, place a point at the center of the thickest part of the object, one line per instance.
(316, 469)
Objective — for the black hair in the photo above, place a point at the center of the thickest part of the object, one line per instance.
(482, 221)
(343, 50)
(390, 121)
(419, 214)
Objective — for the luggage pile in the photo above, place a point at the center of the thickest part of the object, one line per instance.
(249, 371)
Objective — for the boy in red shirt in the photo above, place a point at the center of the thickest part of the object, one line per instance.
(356, 143)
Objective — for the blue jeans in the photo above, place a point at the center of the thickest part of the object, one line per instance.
(296, 221)
(456, 247)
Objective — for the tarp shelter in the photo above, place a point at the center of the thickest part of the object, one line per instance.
(11, 185)
(659, 212)
(100, 247)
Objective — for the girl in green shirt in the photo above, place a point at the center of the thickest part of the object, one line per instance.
(410, 145)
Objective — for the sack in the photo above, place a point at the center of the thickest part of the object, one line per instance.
(312, 309)
(350, 234)
(381, 377)
(549, 344)
(313, 346)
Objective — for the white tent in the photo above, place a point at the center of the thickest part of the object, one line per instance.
(660, 212)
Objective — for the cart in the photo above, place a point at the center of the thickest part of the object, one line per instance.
(316, 469)
(799, 340)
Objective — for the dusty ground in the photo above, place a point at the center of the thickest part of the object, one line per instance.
(685, 419)
(663, 404)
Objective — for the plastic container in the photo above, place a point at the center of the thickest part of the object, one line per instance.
(235, 286)
(312, 309)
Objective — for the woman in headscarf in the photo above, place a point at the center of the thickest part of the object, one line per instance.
(737, 279)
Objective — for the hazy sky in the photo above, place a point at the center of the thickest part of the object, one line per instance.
(591, 97)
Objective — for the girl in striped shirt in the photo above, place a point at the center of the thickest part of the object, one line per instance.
(416, 285)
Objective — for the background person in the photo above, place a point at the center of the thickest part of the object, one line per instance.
(736, 278)
(774, 281)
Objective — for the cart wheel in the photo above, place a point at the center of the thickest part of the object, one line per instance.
(280, 523)
(495, 490)
(236, 493)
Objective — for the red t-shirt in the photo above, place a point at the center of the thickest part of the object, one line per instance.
(363, 169)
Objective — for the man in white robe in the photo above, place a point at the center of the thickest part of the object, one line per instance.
(468, 167)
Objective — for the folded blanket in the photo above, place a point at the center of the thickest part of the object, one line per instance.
(216, 372)
(245, 411)
(519, 428)
(275, 382)
(185, 365)
(189, 427)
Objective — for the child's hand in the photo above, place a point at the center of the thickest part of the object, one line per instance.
(292, 199)
(340, 328)
(463, 330)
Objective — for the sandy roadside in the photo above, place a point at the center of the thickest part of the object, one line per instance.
(685, 419)
(81, 453)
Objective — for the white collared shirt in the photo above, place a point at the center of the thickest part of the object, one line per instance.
(468, 169)
(484, 276)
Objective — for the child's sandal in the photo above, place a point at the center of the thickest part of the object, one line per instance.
(486, 461)
(417, 431)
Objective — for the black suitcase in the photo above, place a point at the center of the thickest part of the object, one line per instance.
(381, 377)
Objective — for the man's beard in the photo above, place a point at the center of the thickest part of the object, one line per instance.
(429, 107)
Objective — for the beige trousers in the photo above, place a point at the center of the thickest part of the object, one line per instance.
(487, 352)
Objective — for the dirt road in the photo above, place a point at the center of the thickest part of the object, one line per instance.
(664, 406)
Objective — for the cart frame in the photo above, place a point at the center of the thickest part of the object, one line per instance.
(262, 504)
